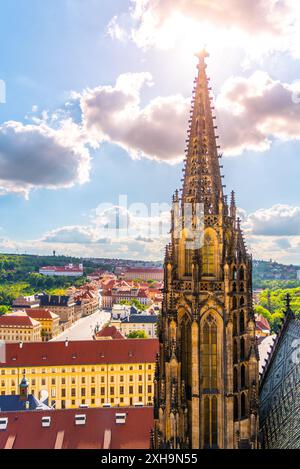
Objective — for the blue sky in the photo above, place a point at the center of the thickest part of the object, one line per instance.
(61, 156)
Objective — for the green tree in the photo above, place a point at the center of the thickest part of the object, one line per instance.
(139, 334)
(263, 312)
(276, 321)
(134, 302)
(4, 309)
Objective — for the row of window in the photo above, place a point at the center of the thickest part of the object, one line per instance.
(83, 380)
(17, 338)
(82, 369)
(92, 391)
(103, 391)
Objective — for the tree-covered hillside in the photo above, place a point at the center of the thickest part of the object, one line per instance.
(265, 271)
(19, 275)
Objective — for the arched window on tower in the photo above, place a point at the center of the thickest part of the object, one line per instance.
(234, 303)
(208, 256)
(242, 322)
(243, 405)
(214, 422)
(235, 351)
(206, 422)
(242, 273)
(234, 273)
(243, 376)
(209, 332)
(209, 364)
(186, 358)
(235, 324)
(211, 422)
(235, 379)
(242, 347)
(188, 261)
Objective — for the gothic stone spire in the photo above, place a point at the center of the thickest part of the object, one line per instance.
(202, 178)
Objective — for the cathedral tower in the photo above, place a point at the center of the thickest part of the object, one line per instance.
(206, 383)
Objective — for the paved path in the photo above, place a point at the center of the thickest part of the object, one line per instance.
(83, 329)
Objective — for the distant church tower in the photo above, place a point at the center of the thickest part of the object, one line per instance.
(206, 383)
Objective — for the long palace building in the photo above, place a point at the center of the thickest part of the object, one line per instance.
(206, 383)
(98, 373)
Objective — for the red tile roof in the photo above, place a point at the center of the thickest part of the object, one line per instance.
(17, 321)
(110, 331)
(25, 431)
(262, 323)
(41, 313)
(81, 352)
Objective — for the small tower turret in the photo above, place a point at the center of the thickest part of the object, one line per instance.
(23, 386)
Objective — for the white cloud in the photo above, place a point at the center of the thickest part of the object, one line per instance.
(54, 151)
(115, 231)
(35, 156)
(252, 111)
(285, 250)
(115, 30)
(155, 131)
(274, 233)
(256, 109)
(278, 220)
(269, 233)
(116, 224)
(71, 235)
(268, 24)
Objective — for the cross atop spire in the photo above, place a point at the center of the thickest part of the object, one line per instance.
(202, 54)
(202, 178)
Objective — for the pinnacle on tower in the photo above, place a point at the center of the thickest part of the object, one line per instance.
(232, 202)
(288, 309)
(202, 179)
(176, 196)
(232, 205)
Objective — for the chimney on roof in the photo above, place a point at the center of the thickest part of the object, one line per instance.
(121, 418)
(80, 419)
(67, 343)
(46, 421)
(21, 344)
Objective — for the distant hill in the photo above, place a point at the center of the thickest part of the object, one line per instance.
(271, 270)
(13, 267)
